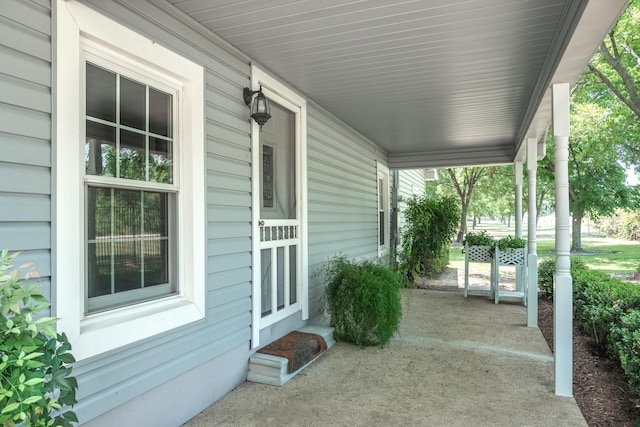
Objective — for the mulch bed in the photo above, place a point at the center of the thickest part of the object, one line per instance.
(599, 386)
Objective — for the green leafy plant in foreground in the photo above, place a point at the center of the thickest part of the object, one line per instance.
(35, 372)
(362, 300)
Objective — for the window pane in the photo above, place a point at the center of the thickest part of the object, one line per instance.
(156, 238)
(100, 149)
(132, 155)
(127, 254)
(160, 160)
(99, 250)
(132, 104)
(156, 268)
(127, 214)
(101, 93)
(159, 113)
(128, 246)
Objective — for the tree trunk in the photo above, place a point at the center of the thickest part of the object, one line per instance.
(539, 206)
(576, 232)
(463, 223)
(474, 222)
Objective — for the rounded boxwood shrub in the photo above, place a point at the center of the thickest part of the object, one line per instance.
(362, 300)
(547, 268)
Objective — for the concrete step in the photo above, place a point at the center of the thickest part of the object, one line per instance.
(274, 370)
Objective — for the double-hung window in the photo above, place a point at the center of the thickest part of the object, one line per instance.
(129, 164)
(129, 186)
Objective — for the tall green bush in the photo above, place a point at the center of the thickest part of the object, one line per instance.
(362, 300)
(426, 239)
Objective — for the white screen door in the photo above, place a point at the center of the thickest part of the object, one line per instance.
(279, 260)
(279, 222)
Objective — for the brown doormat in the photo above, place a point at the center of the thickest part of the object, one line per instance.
(299, 348)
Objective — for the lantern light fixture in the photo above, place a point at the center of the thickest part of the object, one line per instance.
(260, 111)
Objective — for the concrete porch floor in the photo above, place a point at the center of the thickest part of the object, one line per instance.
(455, 362)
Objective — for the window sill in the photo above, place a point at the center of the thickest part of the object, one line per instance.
(105, 331)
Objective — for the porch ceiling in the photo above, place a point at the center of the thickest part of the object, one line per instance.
(433, 82)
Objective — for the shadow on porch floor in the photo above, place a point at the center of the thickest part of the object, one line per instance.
(455, 362)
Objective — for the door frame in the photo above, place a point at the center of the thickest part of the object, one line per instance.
(277, 92)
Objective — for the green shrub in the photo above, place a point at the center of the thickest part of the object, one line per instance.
(546, 270)
(511, 242)
(626, 341)
(481, 238)
(608, 309)
(35, 371)
(362, 300)
(426, 238)
(600, 303)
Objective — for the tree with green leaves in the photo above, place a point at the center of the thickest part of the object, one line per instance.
(496, 193)
(464, 181)
(545, 193)
(613, 76)
(596, 178)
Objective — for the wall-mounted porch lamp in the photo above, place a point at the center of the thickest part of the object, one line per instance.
(260, 107)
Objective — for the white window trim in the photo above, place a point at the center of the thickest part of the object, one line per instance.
(97, 333)
(383, 172)
(280, 93)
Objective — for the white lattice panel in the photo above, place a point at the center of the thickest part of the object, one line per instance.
(511, 257)
(479, 253)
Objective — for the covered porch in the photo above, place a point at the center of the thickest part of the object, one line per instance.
(436, 85)
(454, 362)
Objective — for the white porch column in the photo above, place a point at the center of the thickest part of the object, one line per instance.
(563, 283)
(517, 166)
(532, 261)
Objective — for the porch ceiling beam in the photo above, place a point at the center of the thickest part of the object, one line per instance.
(455, 157)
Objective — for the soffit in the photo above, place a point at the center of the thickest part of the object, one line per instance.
(459, 81)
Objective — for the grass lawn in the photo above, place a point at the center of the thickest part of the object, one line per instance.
(613, 256)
